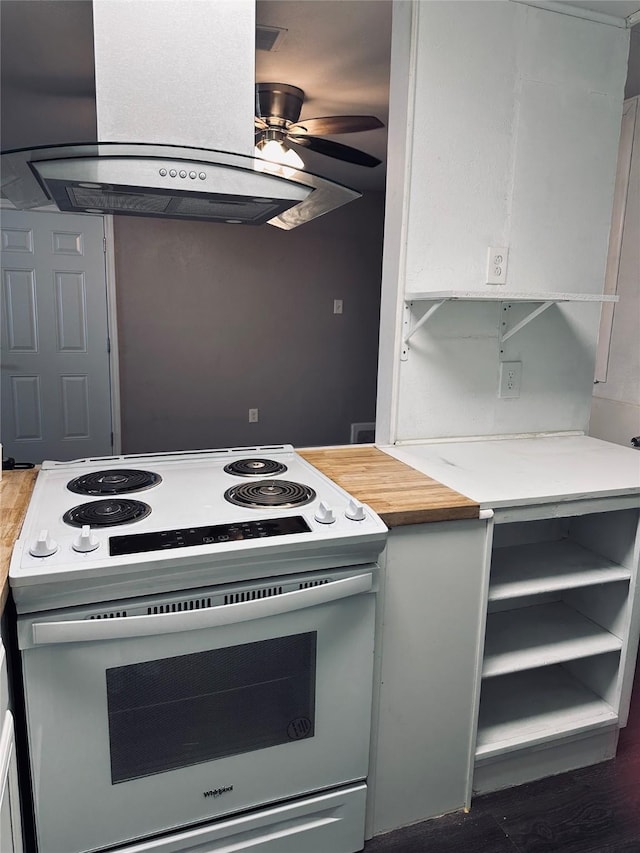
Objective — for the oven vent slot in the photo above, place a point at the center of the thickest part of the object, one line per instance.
(118, 614)
(308, 584)
(180, 606)
(252, 594)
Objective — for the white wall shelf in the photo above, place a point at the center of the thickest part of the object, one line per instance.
(538, 567)
(540, 302)
(504, 296)
(527, 708)
(529, 637)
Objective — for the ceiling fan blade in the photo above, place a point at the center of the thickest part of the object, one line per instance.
(329, 125)
(335, 149)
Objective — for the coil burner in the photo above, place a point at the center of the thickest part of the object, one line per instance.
(255, 468)
(106, 513)
(113, 482)
(274, 493)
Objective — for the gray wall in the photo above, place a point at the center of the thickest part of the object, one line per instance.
(216, 319)
(633, 69)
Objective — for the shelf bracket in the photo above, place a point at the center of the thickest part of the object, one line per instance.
(505, 333)
(407, 331)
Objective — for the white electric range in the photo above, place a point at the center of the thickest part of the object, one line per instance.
(97, 529)
(196, 632)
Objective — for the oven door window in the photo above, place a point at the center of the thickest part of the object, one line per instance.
(179, 711)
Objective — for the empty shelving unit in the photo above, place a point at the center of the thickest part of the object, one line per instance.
(561, 598)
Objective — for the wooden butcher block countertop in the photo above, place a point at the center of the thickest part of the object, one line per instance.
(398, 493)
(15, 491)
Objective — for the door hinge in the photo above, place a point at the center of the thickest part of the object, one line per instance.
(108, 344)
(104, 245)
(112, 441)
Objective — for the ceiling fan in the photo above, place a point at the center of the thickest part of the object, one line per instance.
(278, 107)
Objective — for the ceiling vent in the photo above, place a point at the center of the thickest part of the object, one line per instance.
(269, 38)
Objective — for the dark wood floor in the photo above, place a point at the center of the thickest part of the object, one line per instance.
(593, 810)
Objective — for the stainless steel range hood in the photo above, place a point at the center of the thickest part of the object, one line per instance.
(174, 102)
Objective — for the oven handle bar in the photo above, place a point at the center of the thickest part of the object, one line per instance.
(88, 630)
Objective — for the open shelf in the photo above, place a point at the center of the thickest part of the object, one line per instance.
(538, 706)
(498, 295)
(540, 302)
(529, 637)
(520, 570)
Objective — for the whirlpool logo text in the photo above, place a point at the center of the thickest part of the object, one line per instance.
(217, 792)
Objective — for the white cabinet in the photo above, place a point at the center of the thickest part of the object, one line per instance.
(10, 824)
(508, 137)
(560, 642)
(558, 650)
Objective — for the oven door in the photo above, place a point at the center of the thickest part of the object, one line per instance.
(140, 724)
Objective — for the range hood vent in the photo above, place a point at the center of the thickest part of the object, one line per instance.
(169, 142)
(148, 186)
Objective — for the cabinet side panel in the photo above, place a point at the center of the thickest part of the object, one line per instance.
(435, 598)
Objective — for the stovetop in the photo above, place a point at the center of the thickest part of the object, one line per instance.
(194, 521)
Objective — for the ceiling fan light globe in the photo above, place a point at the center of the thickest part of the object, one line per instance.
(279, 153)
(292, 159)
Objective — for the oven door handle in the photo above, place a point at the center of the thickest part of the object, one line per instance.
(89, 630)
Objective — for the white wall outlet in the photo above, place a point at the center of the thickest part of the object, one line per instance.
(253, 416)
(510, 379)
(497, 258)
(337, 306)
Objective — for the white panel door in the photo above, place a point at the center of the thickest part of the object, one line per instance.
(56, 400)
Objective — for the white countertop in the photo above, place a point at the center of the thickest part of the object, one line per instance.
(516, 471)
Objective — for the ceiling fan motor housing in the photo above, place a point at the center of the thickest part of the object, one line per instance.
(278, 103)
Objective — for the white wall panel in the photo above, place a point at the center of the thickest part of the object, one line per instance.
(572, 52)
(19, 288)
(27, 407)
(454, 360)
(562, 193)
(71, 311)
(616, 402)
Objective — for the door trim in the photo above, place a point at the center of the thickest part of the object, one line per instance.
(112, 324)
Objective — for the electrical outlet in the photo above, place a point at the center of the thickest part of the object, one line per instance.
(337, 306)
(497, 258)
(510, 379)
(253, 416)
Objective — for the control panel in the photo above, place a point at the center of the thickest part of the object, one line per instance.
(162, 540)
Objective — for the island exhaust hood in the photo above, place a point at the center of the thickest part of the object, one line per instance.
(175, 106)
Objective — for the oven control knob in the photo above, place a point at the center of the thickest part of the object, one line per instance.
(324, 513)
(44, 546)
(355, 511)
(86, 541)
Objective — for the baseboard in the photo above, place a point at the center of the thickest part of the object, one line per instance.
(526, 765)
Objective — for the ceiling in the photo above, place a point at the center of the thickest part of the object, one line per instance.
(337, 51)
